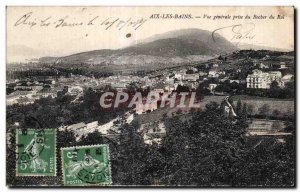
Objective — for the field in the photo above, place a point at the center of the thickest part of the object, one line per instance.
(282, 105)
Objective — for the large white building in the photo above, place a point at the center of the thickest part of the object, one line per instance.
(263, 80)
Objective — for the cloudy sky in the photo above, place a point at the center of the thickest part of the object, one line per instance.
(58, 31)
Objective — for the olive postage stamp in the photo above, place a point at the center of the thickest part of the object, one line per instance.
(36, 152)
(86, 165)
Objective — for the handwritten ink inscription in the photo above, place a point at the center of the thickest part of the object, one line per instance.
(29, 20)
(239, 32)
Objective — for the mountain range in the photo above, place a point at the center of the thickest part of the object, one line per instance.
(180, 46)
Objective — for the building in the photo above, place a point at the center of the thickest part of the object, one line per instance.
(158, 90)
(275, 76)
(215, 65)
(120, 86)
(110, 128)
(286, 79)
(11, 99)
(78, 129)
(24, 93)
(178, 76)
(212, 87)
(215, 73)
(282, 65)
(263, 80)
(190, 77)
(145, 107)
(25, 101)
(224, 79)
(201, 73)
(153, 132)
(75, 90)
(170, 80)
(21, 97)
(46, 93)
(195, 70)
(170, 88)
(91, 126)
(267, 57)
(263, 66)
(234, 81)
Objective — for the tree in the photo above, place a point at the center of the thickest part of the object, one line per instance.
(274, 89)
(218, 143)
(276, 113)
(130, 162)
(182, 88)
(250, 109)
(200, 152)
(211, 150)
(92, 139)
(277, 92)
(155, 163)
(264, 110)
(239, 107)
(244, 111)
(174, 150)
(274, 85)
(65, 139)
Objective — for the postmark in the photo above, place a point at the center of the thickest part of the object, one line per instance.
(36, 152)
(86, 165)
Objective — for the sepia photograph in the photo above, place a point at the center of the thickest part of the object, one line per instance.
(150, 96)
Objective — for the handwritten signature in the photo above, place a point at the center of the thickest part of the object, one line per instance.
(66, 21)
(239, 32)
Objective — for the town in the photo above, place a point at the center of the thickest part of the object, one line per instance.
(262, 75)
(246, 94)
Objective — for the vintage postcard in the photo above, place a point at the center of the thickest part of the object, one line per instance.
(150, 96)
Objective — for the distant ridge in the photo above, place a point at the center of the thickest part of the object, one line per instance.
(246, 46)
(174, 46)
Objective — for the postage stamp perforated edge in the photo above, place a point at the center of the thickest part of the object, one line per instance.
(38, 175)
(82, 147)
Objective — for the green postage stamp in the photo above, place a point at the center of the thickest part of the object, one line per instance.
(36, 152)
(86, 165)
